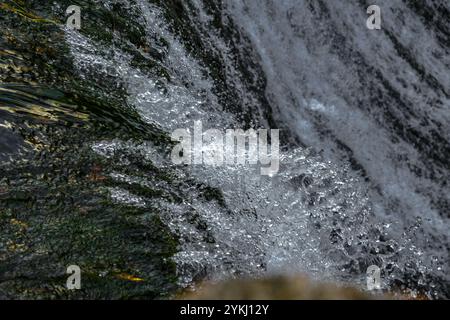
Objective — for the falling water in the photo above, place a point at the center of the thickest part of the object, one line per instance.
(364, 117)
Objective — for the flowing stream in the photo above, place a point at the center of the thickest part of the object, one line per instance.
(364, 118)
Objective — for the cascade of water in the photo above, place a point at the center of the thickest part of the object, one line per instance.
(315, 216)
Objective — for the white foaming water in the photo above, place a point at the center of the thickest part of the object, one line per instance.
(318, 92)
(308, 82)
(314, 216)
(311, 217)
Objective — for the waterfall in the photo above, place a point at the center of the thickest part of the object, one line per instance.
(364, 118)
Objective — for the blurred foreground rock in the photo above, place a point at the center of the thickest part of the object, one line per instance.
(277, 288)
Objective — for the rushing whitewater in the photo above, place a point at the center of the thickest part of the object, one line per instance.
(365, 115)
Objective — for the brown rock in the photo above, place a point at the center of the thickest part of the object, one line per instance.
(276, 288)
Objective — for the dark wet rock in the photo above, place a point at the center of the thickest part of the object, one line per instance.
(55, 208)
(10, 144)
(302, 181)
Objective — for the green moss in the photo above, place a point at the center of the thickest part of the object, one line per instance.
(214, 194)
(53, 212)
(73, 221)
